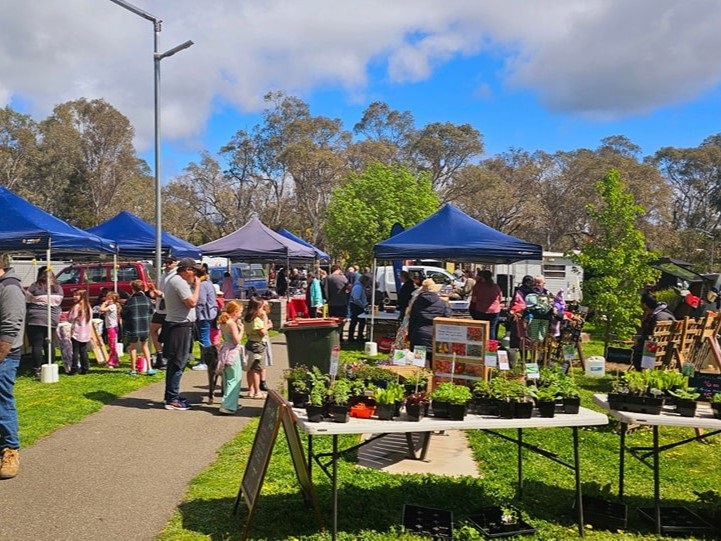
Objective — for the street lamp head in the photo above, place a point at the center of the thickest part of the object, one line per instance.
(171, 52)
(137, 11)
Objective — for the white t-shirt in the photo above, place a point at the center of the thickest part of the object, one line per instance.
(111, 316)
(159, 304)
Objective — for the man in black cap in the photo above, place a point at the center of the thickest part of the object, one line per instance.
(156, 323)
(181, 296)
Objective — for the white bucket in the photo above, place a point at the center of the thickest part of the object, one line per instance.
(596, 366)
(371, 348)
(49, 373)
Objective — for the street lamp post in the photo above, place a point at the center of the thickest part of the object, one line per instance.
(157, 57)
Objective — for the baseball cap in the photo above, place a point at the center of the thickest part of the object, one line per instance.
(189, 263)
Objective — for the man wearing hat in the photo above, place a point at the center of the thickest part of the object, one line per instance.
(181, 296)
(156, 323)
(12, 323)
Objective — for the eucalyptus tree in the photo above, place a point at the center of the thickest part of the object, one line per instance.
(385, 137)
(18, 150)
(88, 162)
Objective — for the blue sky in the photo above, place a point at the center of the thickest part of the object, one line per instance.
(532, 74)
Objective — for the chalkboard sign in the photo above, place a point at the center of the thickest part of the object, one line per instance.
(257, 465)
(275, 412)
(706, 384)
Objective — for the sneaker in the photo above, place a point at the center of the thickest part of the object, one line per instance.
(200, 366)
(10, 463)
(263, 386)
(177, 405)
(161, 363)
(132, 373)
(150, 372)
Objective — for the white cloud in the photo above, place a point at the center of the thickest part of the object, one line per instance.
(605, 58)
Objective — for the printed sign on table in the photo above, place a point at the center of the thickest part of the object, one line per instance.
(460, 349)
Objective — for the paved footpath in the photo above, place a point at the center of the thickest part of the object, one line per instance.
(121, 472)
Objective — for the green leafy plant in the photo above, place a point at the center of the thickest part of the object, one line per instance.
(318, 386)
(419, 377)
(298, 377)
(508, 390)
(716, 398)
(390, 395)
(340, 391)
(509, 515)
(568, 388)
(688, 393)
(482, 388)
(544, 394)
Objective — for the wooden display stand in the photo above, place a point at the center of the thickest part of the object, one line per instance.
(459, 349)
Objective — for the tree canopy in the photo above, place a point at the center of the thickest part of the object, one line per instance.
(362, 211)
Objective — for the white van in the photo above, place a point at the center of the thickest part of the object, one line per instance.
(386, 283)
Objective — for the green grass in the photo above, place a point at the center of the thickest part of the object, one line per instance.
(371, 502)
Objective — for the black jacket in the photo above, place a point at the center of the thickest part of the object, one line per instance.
(425, 309)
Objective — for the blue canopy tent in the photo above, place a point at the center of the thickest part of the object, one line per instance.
(136, 238)
(453, 235)
(27, 229)
(450, 234)
(319, 254)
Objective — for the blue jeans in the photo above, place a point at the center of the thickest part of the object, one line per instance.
(8, 413)
(176, 342)
(203, 328)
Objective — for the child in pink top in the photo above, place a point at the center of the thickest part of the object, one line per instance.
(110, 308)
(80, 318)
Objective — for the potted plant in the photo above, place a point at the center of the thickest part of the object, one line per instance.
(716, 405)
(417, 381)
(501, 521)
(546, 399)
(483, 400)
(297, 380)
(318, 391)
(685, 401)
(441, 398)
(507, 393)
(458, 398)
(339, 393)
(638, 391)
(569, 393)
(416, 405)
(387, 400)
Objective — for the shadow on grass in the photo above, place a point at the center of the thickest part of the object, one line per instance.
(379, 507)
(103, 397)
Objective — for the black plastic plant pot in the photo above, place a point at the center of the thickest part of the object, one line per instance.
(299, 399)
(456, 412)
(605, 514)
(635, 404)
(506, 410)
(435, 523)
(490, 522)
(341, 414)
(686, 407)
(524, 410)
(571, 405)
(415, 412)
(485, 406)
(440, 409)
(385, 412)
(716, 408)
(546, 408)
(315, 413)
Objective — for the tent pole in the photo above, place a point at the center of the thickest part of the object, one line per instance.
(373, 297)
(49, 287)
(115, 271)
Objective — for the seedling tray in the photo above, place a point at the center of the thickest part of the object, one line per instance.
(488, 522)
(435, 523)
(605, 514)
(677, 520)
